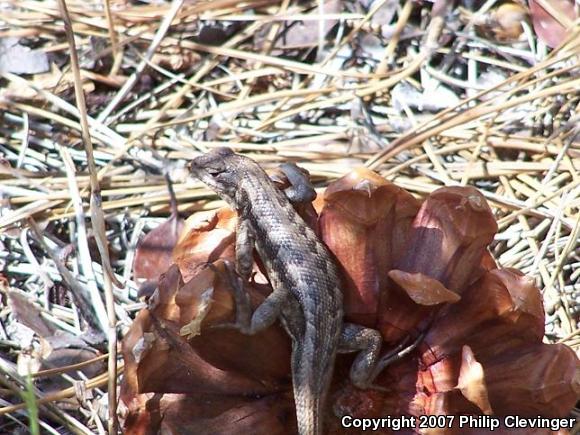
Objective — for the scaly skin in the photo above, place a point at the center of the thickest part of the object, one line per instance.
(307, 295)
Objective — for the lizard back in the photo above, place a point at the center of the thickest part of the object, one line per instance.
(295, 260)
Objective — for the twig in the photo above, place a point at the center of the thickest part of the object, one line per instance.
(98, 223)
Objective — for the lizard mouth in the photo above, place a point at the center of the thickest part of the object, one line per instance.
(200, 169)
(194, 170)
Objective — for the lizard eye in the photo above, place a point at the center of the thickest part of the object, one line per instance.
(213, 171)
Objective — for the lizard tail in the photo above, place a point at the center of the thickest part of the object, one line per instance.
(309, 411)
(311, 381)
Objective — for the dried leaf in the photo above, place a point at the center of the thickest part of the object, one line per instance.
(471, 381)
(532, 379)
(19, 59)
(176, 58)
(504, 22)
(423, 289)
(28, 314)
(154, 251)
(502, 309)
(65, 356)
(305, 33)
(216, 363)
(180, 413)
(206, 238)
(447, 243)
(364, 222)
(552, 19)
(55, 81)
(433, 98)
(385, 14)
(449, 237)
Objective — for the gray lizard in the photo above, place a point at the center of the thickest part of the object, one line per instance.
(306, 287)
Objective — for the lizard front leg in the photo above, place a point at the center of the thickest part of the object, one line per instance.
(271, 308)
(368, 342)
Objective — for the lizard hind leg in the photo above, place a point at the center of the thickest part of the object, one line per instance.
(367, 364)
(300, 190)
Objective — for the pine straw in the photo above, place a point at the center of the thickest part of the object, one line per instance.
(516, 141)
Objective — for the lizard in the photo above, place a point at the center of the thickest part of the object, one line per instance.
(306, 296)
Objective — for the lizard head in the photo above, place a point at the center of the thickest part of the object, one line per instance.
(218, 169)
